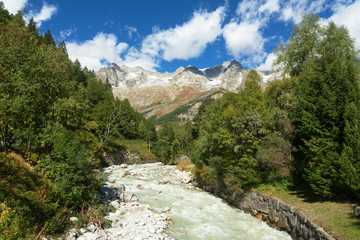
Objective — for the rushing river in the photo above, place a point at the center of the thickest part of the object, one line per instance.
(196, 214)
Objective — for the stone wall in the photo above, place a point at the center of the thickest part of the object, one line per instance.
(123, 156)
(274, 212)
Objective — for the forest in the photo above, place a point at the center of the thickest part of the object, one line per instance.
(303, 129)
(57, 121)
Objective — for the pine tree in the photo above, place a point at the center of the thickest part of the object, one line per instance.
(49, 39)
(328, 86)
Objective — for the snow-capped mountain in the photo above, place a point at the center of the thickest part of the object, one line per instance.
(157, 94)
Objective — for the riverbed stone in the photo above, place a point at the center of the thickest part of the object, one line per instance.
(129, 197)
(124, 165)
(91, 228)
(357, 212)
(74, 219)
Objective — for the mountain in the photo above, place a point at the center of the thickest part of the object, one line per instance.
(158, 95)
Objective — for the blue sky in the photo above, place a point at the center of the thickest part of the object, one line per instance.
(166, 34)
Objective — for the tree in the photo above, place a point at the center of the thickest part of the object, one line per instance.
(4, 14)
(300, 47)
(324, 59)
(32, 27)
(62, 47)
(49, 39)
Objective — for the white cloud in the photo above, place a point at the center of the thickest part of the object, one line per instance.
(66, 33)
(349, 17)
(92, 53)
(135, 58)
(247, 10)
(243, 35)
(267, 65)
(270, 6)
(13, 6)
(45, 14)
(243, 39)
(131, 30)
(182, 42)
(186, 41)
(294, 10)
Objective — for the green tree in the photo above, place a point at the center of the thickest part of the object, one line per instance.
(301, 46)
(4, 14)
(49, 39)
(324, 59)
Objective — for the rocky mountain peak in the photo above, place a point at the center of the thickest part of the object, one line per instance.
(193, 69)
(235, 64)
(179, 70)
(225, 64)
(160, 93)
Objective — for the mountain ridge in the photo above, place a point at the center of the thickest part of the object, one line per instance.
(156, 94)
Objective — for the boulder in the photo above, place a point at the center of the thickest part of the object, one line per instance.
(129, 197)
(357, 211)
(124, 165)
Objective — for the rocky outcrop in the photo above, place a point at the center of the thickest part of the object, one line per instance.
(274, 212)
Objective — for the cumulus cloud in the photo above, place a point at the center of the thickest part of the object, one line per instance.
(348, 15)
(267, 65)
(13, 6)
(45, 13)
(243, 39)
(93, 53)
(243, 35)
(181, 42)
(188, 40)
(135, 58)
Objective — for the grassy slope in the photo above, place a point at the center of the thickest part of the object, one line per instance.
(137, 146)
(335, 217)
(173, 115)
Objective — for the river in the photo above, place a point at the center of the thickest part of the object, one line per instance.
(195, 214)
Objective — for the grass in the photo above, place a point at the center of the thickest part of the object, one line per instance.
(140, 147)
(336, 217)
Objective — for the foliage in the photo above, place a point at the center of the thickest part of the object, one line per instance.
(61, 120)
(327, 105)
(233, 130)
(174, 140)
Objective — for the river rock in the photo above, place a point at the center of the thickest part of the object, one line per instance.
(91, 236)
(124, 165)
(72, 234)
(129, 197)
(142, 187)
(115, 204)
(357, 211)
(74, 220)
(92, 228)
(123, 173)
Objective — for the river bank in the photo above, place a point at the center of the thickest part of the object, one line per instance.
(155, 201)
